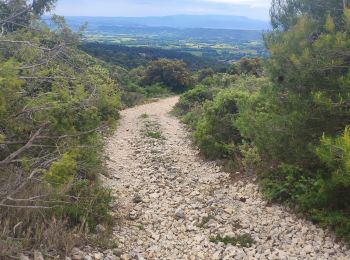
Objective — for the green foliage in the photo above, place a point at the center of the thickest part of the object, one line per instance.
(248, 66)
(322, 196)
(205, 73)
(335, 153)
(250, 156)
(337, 220)
(285, 13)
(244, 240)
(156, 90)
(307, 103)
(89, 205)
(62, 171)
(216, 134)
(154, 134)
(287, 183)
(9, 86)
(172, 74)
(56, 102)
(192, 98)
(11, 12)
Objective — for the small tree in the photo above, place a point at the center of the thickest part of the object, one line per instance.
(170, 73)
(14, 14)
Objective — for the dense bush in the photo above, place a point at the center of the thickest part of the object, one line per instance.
(216, 134)
(55, 104)
(335, 154)
(212, 112)
(247, 66)
(192, 98)
(171, 74)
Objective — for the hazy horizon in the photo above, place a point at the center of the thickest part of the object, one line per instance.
(159, 16)
(253, 9)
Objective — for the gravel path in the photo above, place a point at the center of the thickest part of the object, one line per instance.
(172, 202)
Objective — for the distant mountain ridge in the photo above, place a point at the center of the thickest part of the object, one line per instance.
(176, 21)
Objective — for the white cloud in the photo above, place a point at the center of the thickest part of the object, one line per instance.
(251, 3)
(256, 9)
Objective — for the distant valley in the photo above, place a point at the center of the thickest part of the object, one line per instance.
(204, 38)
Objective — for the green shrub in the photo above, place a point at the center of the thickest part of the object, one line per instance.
(248, 66)
(171, 73)
(287, 183)
(321, 193)
(216, 134)
(338, 221)
(156, 90)
(62, 171)
(52, 119)
(244, 240)
(191, 118)
(193, 98)
(250, 157)
(335, 153)
(89, 205)
(154, 134)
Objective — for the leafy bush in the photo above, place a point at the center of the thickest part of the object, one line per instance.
(248, 66)
(205, 73)
(62, 171)
(287, 183)
(156, 90)
(216, 134)
(192, 98)
(321, 194)
(56, 102)
(335, 153)
(172, 74)
(251, 158)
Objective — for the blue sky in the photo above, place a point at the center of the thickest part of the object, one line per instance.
(257, 9)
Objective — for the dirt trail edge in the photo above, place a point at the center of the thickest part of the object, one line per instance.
(174, 205)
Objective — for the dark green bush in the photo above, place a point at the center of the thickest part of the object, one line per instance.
(173, 74)
(216, 134)
(335, 153)
(287, 183)
(192, 98)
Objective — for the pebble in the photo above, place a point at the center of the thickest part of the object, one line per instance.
(180, 214)
(100, 228)
(98, 256)
(38, 255)
(23, 257)
(133, 215)
(165, 179)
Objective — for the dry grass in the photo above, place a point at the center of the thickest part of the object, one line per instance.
(31, 226)
(27, 230)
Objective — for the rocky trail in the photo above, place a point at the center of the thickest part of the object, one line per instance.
(174, 205)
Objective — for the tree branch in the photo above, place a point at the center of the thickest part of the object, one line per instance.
(15, 154)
